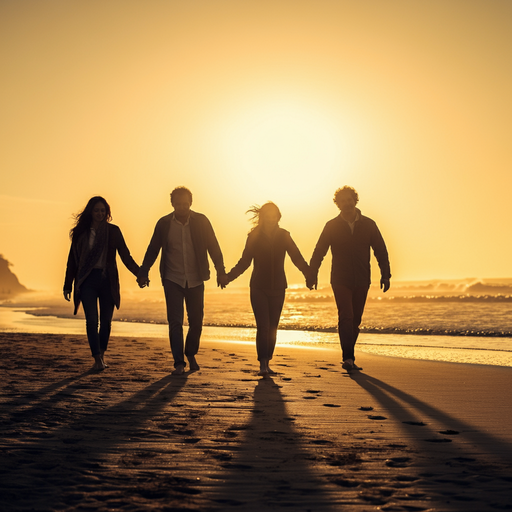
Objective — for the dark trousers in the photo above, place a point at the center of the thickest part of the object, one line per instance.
(350, 303)
(175, 296)
(96, 288)
(267, 306)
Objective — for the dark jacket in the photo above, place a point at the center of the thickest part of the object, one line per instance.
(268, 255)
(351, 252)
(203, 240)
(115, 242)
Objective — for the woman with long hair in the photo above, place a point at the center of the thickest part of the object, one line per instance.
(92, 272)
(267, 245)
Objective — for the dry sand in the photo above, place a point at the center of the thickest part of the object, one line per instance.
(402, 435)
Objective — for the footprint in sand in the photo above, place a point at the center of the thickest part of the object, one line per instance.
(449, 432)
(331, 405)
(438, 440)
(366, 408)
(398, 462)
(376, 417)
(416, 423)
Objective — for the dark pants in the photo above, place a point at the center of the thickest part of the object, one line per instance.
(96, 287)
(350, 303)
(175, 296)
(267, 306)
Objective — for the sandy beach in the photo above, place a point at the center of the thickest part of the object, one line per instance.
(402, 435)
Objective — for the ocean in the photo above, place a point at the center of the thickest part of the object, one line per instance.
(466, 321)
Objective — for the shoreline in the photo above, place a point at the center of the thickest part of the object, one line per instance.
(481, 351)
(401, 435)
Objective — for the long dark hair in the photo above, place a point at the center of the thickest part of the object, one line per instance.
(83, 220)
(255, 210)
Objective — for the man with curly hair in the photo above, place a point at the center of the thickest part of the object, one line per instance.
(350, 236)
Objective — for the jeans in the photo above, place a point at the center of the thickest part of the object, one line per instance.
(96, 287)
(175, 295)
(350, 303)
(267, 306)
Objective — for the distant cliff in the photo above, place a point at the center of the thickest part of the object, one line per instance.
(9, 284)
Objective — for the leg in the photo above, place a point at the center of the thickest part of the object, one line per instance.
(106, 313)
(194, 301)
(359, 295)
(276, 301)
(89, 299)
(343, 297)
(174, 296)
(261, 310)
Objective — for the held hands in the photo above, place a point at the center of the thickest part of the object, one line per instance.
(143, 281)
(311, 281)
(384, 285)
(222, 280)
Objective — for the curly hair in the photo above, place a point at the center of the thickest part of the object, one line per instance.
(181, 190)
(83, 219)
(343, 190)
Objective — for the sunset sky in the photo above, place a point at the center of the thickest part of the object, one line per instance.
(246, 101)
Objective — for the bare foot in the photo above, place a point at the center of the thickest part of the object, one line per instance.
(263, 372)
(270, 371)
(102, 355)
(348, 365)
(99, 365)
(193, 364)
(179, 370)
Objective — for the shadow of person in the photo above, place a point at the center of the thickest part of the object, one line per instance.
(75, 442)
(412, 410)
(269, 468)
(439, 467)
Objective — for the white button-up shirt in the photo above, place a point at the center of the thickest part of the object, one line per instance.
(180, 262)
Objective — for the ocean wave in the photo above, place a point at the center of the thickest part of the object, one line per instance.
(410, 298)
(484, 333)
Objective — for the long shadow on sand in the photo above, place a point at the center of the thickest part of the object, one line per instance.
(447, 472)
(269, 469)
(70, 450)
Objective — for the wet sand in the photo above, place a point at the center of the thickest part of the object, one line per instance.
(402, 435)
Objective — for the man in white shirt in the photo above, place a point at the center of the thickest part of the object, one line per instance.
(185, 238)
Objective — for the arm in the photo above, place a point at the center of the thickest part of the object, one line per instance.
(71, 269)
(381, 254)
(151, 255)
(125, 255)
(321, 248)
(296, 256)
(214, 250)
(244, 262)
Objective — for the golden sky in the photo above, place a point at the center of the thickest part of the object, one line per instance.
(247, 101)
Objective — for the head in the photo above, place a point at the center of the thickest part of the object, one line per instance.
(346, 199)
(267, 215)
(96, 210)
(181, 200)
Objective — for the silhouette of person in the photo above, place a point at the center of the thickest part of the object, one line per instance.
(185, 238)
(267, 245)
(350, 236)
(92, 270)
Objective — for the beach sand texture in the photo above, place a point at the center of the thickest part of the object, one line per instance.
(403, 435)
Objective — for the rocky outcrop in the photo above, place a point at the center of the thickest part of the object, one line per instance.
(9, 284)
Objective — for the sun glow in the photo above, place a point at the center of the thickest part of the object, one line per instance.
(282, 150)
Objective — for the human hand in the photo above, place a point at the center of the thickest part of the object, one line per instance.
(311, 281)
(384, 285)
(222, 280)
(67, 295)
(143, 281)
